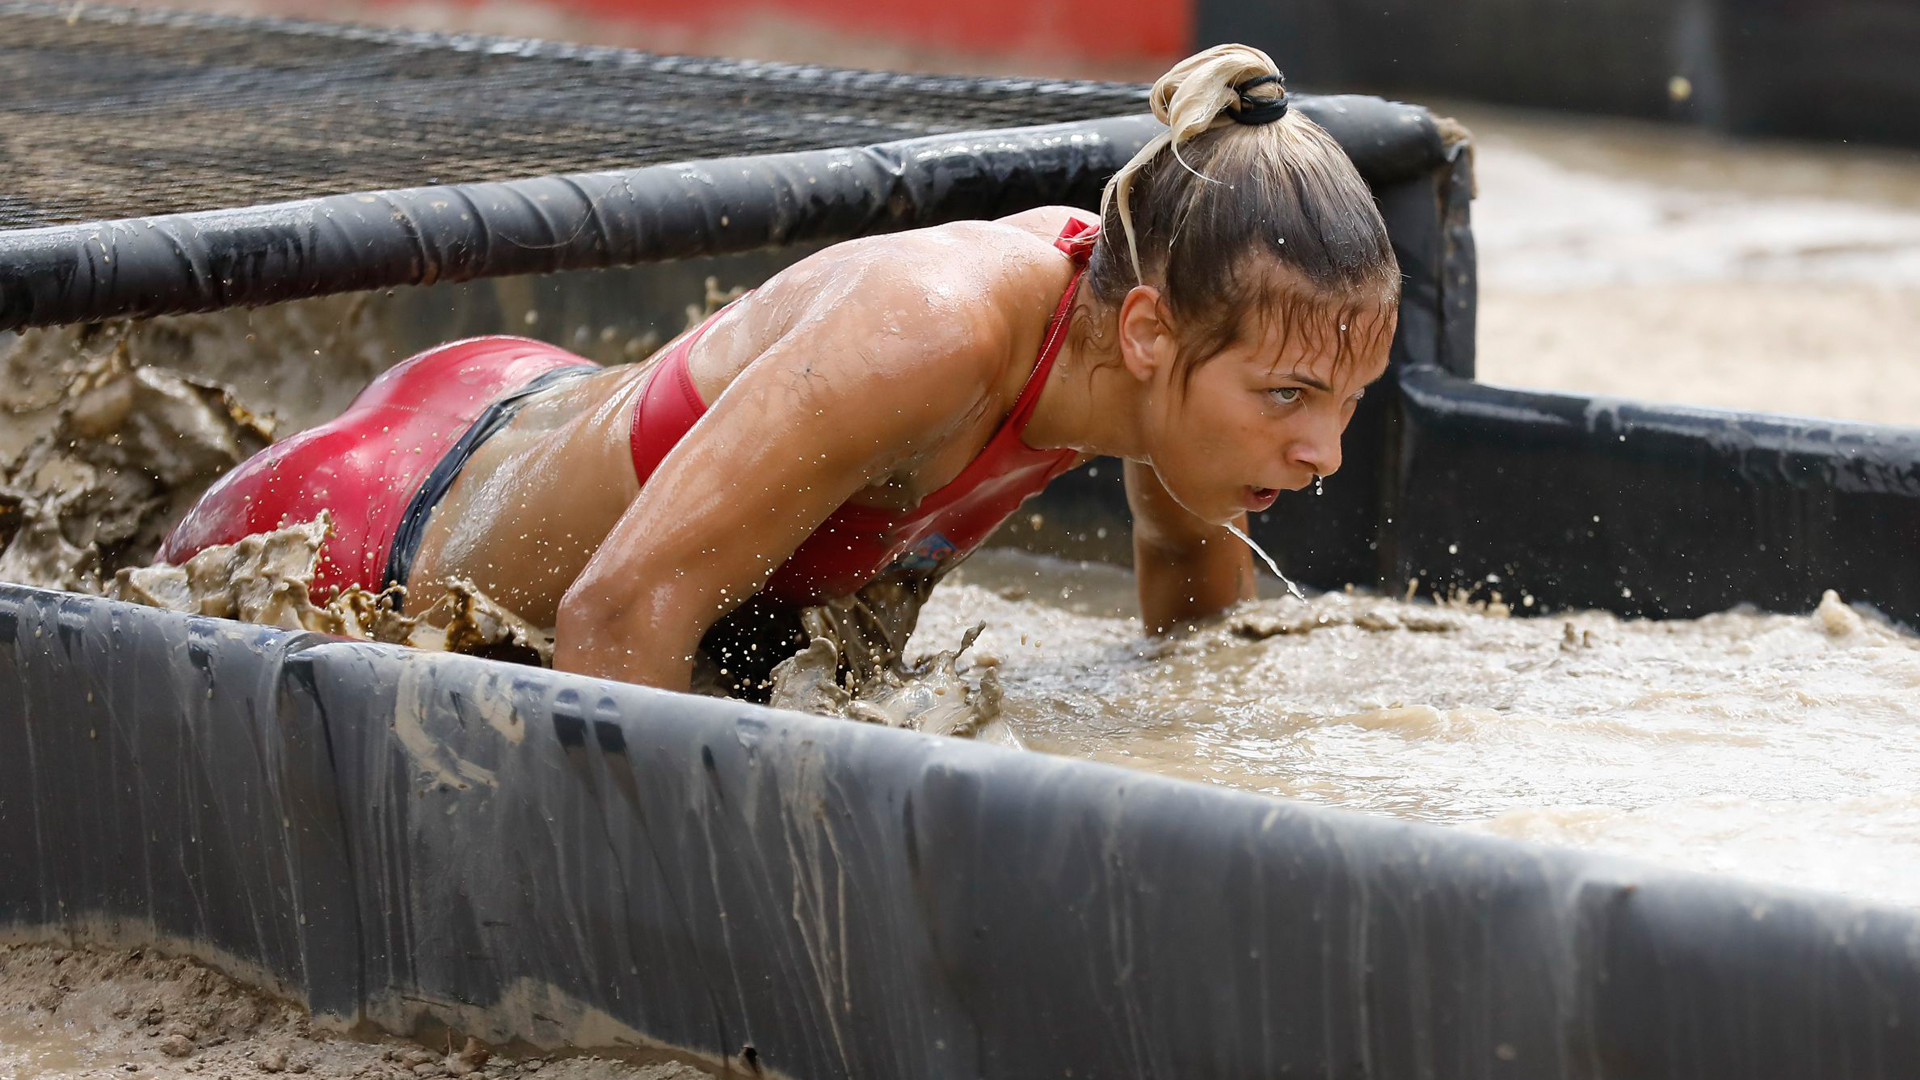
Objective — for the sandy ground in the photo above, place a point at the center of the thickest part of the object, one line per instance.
(91, 1014)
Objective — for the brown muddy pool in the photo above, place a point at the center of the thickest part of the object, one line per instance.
(1781, 748)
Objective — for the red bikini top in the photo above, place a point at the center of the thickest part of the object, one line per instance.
(856, 543)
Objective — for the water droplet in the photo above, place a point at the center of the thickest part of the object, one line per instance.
(1318, 481)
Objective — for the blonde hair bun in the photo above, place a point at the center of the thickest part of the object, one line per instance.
(1195, 96)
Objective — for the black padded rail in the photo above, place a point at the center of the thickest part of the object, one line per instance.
(419, 236)
(415, 236)
(402, 837)
(1651, 510)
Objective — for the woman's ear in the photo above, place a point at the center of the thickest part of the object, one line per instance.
(1146, 339)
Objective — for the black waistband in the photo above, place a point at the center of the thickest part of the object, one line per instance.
(413, 523)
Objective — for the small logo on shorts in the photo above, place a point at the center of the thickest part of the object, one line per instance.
(928, 554)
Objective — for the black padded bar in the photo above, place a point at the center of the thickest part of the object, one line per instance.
(216, 259)
(343, 243)
(1655, 510)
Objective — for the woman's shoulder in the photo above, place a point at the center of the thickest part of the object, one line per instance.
(1045, 223)
(965, 299)
(974, 254)
(1017, 243)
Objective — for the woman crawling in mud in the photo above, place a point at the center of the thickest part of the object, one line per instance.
(870, 414)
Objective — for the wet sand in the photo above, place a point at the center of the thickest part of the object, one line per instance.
(84, 1014)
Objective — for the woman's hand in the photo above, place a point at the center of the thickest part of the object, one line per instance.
(1184, 568)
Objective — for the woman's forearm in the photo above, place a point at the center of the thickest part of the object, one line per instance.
(1177, 586)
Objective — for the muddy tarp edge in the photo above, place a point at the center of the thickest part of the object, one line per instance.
(403, 837)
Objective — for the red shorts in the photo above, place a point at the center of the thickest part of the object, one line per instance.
(367, 465)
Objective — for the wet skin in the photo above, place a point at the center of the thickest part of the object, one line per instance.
(872, 373)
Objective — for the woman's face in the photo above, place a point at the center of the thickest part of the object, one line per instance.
(1265, 414)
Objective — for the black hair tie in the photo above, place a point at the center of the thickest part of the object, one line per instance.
(1252, 112)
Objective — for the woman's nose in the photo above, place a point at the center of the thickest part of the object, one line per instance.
(1318, 450)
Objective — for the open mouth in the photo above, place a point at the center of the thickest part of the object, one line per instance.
(1259, 498)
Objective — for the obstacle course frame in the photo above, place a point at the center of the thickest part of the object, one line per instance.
(409, 839)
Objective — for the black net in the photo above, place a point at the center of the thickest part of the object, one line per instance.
(109, 113)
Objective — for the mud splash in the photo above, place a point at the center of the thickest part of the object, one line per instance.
(268, 579)
(855, 666)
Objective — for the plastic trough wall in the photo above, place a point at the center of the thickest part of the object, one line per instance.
(399, 837)
(414, 839)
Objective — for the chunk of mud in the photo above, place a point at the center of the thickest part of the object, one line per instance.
(267, 579)
(1266, 619)
(809, 680)
(1834, 616)
(104, 455)
(932, 695)
(854, 666)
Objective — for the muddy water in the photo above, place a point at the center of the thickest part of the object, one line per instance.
(1774, 747)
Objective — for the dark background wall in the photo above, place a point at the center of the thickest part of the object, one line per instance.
(1829, 69)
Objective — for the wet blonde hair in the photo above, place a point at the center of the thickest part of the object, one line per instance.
(1230, 219)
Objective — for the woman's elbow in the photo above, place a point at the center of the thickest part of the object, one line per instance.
(587, 606)
(595, 626)
(610, 630)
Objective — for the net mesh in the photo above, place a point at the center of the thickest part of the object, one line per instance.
(109, 113)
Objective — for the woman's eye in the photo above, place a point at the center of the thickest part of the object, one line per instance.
(1285, 395)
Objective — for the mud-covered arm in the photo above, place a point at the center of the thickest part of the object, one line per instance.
(832, 408)
(1183, 567)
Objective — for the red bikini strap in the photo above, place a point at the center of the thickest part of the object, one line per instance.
(1076, 242)
(1076, 239)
